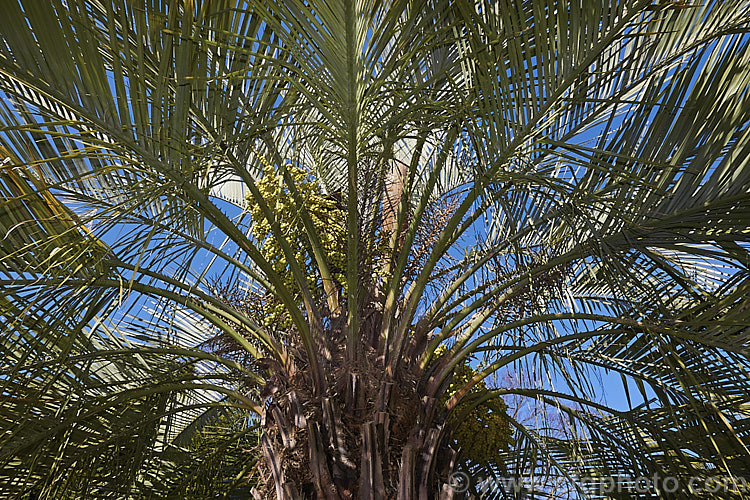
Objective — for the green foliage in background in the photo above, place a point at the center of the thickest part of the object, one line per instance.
(284, 248)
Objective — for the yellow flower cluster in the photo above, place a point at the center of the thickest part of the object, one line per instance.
(485, 431)
(328, 220)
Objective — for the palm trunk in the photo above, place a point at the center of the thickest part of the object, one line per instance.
(318, 450)
(394, 190)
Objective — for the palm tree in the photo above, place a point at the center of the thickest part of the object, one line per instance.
(292, 249)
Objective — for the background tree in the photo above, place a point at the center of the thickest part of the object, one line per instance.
(553, 189)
